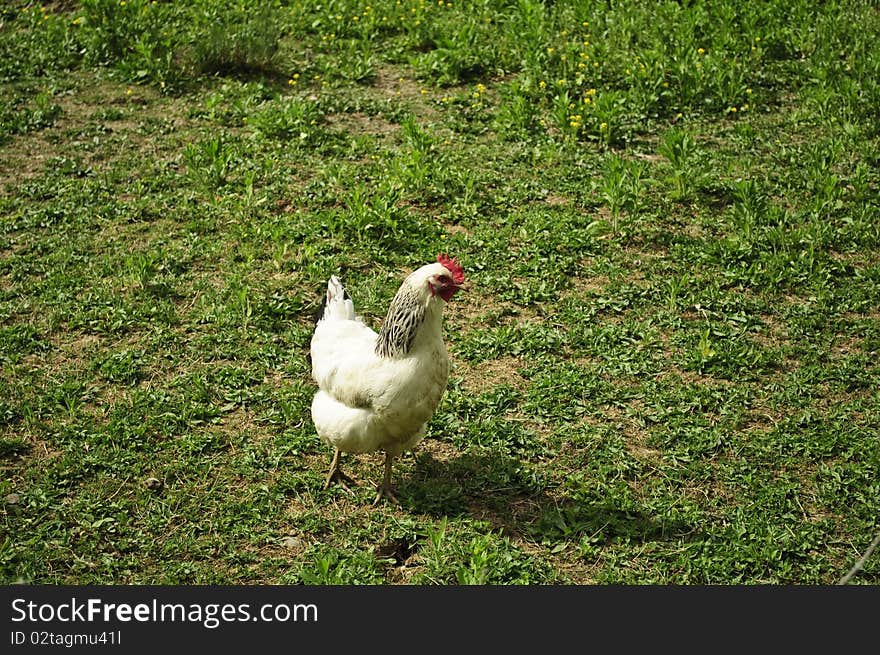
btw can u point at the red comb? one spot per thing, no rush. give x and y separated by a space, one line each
452 266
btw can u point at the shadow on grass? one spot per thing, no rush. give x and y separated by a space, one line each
511 496
13 447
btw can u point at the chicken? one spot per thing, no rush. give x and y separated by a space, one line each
378 391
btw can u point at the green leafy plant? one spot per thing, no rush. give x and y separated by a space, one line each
210 162
680 150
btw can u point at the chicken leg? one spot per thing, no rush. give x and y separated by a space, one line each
385 488
336 473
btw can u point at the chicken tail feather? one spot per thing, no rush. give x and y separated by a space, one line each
337 303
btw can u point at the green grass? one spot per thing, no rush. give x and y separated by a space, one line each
666 369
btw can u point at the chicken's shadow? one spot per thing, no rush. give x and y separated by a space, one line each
500 490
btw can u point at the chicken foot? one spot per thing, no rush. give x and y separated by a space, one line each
385 489
336 474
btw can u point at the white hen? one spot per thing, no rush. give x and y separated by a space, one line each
378 391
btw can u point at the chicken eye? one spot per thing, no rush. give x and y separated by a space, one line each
444 279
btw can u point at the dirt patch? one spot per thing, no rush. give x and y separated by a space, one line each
555 200
455 228
492 373
583 286
472 308
26 156
361 123
392 83
83 343
650 157
859 260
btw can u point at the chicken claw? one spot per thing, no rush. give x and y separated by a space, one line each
385 489
336 474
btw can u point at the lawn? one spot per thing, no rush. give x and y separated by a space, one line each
665 370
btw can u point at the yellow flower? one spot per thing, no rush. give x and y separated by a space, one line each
542 84
603 126
700 51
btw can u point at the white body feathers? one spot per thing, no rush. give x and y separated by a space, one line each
369 401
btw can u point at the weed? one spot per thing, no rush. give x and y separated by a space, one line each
237 43
680 150
210 162
621 187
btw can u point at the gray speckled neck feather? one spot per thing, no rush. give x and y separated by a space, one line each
405 316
